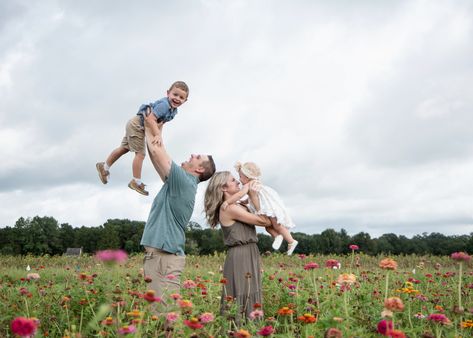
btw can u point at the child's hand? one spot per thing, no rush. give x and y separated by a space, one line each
224 205
255 186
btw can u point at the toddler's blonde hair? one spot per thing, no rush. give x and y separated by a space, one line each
249 169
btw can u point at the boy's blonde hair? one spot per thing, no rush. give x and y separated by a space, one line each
249 169
181 85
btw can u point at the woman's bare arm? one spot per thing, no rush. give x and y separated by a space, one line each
236 212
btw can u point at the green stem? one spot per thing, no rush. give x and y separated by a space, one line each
460 287
345 303
387 284
27 309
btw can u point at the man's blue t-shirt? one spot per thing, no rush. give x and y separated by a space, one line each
171 211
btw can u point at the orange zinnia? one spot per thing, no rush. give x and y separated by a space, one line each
388 264
307 318
285 311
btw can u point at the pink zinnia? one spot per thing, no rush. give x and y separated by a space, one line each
24 327
311 266
460 256
206 317
385 326
33 275
266 331
256 314
189 284
112 256
439 318
353 247
172 317
127 329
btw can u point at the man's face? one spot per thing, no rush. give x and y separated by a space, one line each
176 97
194 162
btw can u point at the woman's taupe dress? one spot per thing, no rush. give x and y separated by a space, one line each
242 268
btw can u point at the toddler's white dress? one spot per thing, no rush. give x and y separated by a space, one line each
271 205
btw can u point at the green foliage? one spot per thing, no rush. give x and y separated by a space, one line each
44 235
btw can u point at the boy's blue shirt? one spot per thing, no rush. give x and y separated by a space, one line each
161 108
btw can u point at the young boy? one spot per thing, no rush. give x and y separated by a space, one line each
165 109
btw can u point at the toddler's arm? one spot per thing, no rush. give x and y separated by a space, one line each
253 193
236 197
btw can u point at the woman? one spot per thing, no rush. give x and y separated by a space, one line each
242 265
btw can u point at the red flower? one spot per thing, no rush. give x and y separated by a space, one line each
332 263
354 247
149 296
384 327
311 266
193 323
24 327
266 331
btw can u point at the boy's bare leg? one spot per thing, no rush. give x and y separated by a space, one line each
137 165
115 155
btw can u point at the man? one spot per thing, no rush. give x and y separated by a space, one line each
163 235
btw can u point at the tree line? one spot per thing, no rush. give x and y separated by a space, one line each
44 235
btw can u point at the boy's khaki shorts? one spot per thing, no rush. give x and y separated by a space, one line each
134 139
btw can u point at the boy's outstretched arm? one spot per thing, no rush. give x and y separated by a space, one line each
157 153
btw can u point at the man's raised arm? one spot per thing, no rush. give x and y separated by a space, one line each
157 153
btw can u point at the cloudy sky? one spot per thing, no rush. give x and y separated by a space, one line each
360 113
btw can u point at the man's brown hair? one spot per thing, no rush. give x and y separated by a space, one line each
209 169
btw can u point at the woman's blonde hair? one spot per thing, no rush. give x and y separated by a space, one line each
214 197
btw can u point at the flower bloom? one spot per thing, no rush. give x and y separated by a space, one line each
24 327
354 247
396 334
311 266
266 331
285 311
460 256
149 296
346 278
307 318
206 317
112 256
467 324
256 314
419 315
171 276
332 263
242 334
172 317
33 275
193 323
107 321
439 318
333 333
175 296
135 313
189 284
385 326
394 304
127 329
388 264
185 304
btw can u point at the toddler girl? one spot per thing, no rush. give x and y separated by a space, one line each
267 203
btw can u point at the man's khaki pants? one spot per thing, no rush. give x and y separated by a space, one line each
165 271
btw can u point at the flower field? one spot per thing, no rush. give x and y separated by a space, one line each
304 296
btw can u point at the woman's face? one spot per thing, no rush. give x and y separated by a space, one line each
232 185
